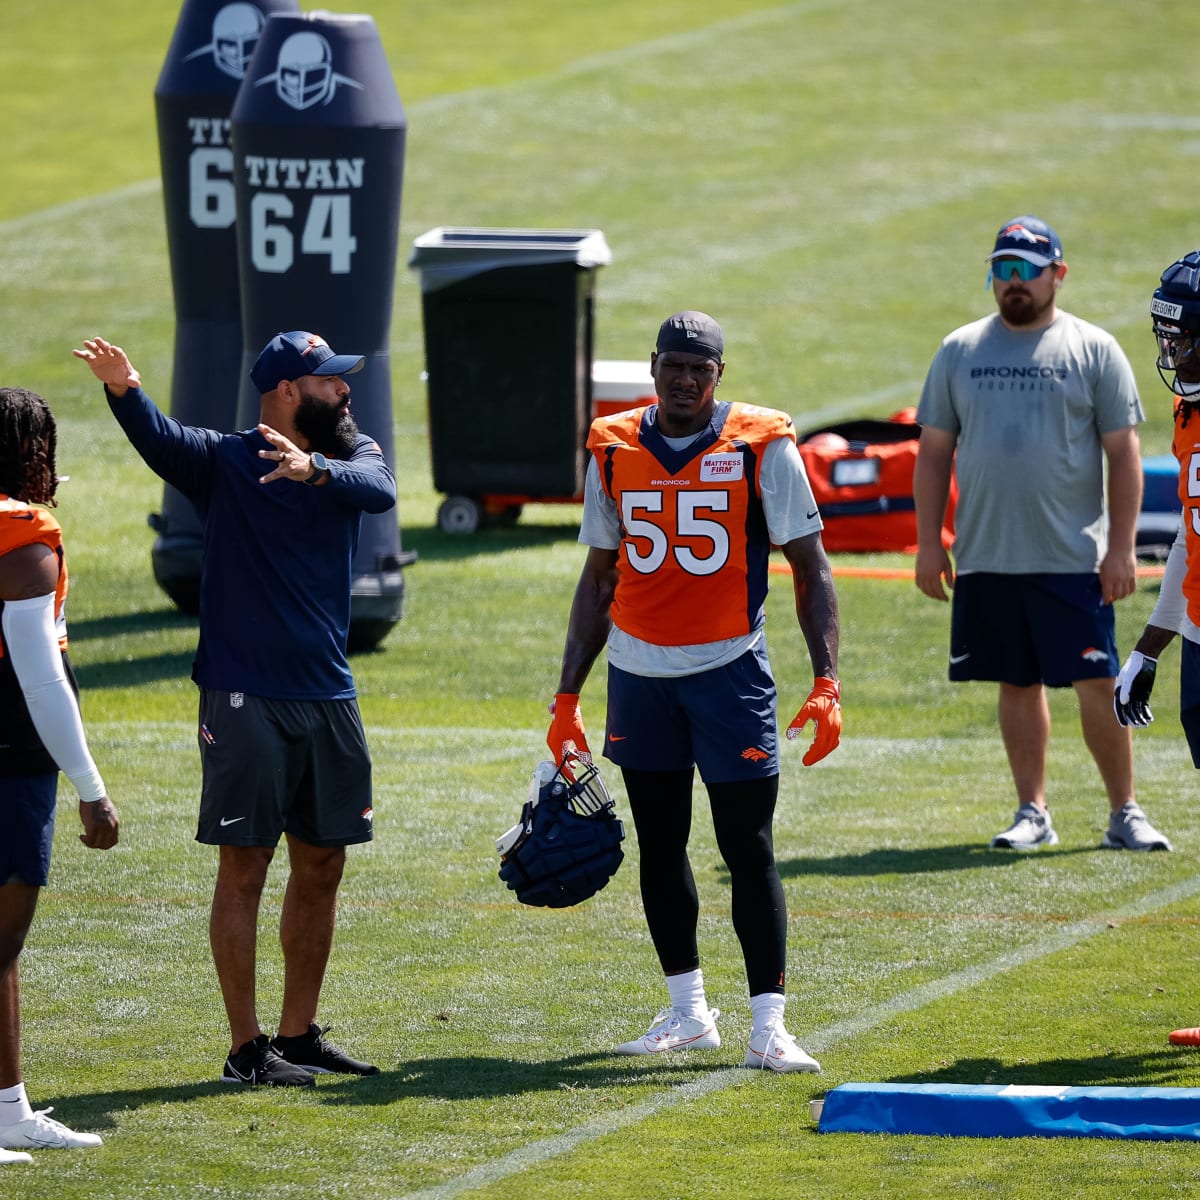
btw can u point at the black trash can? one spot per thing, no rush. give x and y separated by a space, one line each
509 317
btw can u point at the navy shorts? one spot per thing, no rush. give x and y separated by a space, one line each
1189 697
27 806
1029 629
721 721
282 766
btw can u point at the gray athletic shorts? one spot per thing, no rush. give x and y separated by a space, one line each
282 766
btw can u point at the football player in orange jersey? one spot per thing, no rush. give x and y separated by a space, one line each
683 502
1175 312
41 733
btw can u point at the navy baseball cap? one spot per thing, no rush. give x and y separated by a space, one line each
691 333
291 355
1029 238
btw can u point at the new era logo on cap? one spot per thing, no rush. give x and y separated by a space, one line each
692 333
290 356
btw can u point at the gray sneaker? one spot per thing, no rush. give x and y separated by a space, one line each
1030 829
1130 829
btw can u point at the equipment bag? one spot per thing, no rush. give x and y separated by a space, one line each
861 474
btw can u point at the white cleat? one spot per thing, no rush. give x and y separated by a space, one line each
14 1156
672 1030
775 1049
42 1132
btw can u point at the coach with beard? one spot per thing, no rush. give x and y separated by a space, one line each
281 740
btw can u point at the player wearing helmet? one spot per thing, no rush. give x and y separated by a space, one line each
683 501
1029 405
1175 315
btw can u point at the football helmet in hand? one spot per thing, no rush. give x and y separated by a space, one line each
567 844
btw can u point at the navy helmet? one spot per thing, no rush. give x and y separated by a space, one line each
1175 311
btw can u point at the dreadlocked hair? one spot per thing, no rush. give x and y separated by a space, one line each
28 441
1185 409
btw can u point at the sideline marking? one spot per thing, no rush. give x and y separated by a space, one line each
84 204
542 1151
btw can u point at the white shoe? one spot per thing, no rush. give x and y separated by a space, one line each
776 1049
13 1156
42 1132
1030 829
1130 829
672 1030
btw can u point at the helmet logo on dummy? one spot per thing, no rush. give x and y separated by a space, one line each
304 74
235 32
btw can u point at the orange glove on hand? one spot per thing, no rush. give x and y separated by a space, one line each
566 730
824 708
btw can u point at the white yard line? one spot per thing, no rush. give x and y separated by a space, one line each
542 1151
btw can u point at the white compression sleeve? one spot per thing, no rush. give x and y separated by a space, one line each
32 643
1171 607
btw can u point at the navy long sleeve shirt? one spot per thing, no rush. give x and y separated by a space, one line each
276 567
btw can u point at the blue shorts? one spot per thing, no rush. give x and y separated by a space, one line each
1029 629
1189 697
722 721
27 805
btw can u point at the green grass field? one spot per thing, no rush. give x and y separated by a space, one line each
825 177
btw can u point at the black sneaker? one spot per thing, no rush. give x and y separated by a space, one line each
313 1051
259 1062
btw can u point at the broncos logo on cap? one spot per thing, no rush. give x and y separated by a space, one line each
1018 233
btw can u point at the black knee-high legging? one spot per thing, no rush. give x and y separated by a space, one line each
661 805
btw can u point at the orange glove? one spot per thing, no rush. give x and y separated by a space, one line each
824 708
566 730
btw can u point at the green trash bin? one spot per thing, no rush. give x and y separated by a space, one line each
508 317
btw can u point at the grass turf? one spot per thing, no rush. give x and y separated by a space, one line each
825 178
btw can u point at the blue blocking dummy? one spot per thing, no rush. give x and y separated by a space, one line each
204 68
318 138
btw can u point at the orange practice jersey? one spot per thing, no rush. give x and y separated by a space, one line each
692 565
21 750
22 524
1185 445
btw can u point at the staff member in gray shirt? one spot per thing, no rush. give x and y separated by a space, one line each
1035 401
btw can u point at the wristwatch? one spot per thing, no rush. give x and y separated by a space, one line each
320 466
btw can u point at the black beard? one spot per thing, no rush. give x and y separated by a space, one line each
1020 310
331 431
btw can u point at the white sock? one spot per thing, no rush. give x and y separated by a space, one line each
687 993
766 1009
14 1105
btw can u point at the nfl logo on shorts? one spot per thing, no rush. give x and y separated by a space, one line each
236 699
